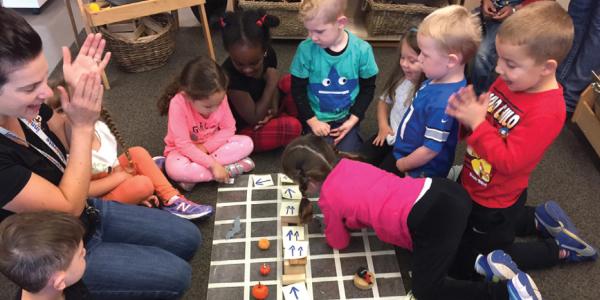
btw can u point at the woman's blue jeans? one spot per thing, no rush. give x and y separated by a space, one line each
139 253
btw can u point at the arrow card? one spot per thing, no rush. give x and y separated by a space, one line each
296 291
289 208
291 192
295 250
292 233
284 179
262 180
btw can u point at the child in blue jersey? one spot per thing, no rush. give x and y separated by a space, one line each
333 75
427 136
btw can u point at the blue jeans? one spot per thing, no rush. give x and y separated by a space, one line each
139 253
575 72
482 72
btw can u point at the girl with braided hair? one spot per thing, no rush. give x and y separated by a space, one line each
132 177
261 102
424 215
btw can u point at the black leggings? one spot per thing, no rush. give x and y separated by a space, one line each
496 228
437 223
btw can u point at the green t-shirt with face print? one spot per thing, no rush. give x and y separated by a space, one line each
333 79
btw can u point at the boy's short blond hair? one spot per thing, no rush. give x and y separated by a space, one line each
455 30
329 10
543 28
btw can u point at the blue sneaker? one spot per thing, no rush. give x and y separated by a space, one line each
578 249
187 209
496 266
160 162
483 268
523 287
551 219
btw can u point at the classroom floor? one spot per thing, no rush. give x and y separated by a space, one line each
569 172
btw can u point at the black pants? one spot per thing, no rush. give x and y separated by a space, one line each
373 154
436 223
496 228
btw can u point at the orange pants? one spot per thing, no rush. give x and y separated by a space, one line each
148 180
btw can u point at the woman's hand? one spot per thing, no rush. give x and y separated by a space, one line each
83 107
89 59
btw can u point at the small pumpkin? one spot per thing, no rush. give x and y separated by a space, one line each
260 292
265 269
263 244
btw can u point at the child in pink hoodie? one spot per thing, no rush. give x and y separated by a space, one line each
424 215
200 144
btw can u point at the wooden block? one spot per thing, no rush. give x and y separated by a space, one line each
300 261
155 26
290 220
293 278
125 26
132 36
290 269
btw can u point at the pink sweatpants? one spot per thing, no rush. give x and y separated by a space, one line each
182 169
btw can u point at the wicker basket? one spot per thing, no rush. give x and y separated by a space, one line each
287 12
143 54
393 19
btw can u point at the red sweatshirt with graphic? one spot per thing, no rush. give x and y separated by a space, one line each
504 150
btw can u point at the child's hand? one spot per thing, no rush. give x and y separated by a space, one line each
89 59
340 132
488 9
220 173
503 13
264 121
202 148
83 108
467 108
382 134
318 128
151 202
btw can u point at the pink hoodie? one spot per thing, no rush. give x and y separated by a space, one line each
187 128
356 195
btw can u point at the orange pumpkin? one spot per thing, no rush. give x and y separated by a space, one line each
263 244
265 269
260 292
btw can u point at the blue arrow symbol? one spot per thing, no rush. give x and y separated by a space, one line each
295 290
287 210
300 250
260 181
289 235
297 234
289 192
292 248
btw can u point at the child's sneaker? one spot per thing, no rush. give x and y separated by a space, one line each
496 266
522 287
551 219
578 249
160 162
187 209
238 168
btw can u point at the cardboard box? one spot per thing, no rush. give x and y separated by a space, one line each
586 119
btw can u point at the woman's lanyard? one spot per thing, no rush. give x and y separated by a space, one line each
35 126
